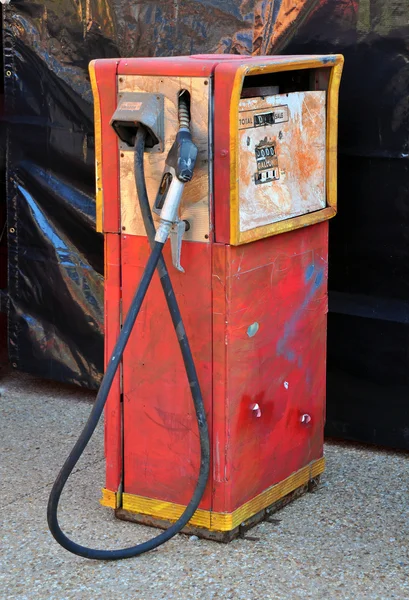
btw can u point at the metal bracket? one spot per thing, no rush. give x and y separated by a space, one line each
176 237
140 107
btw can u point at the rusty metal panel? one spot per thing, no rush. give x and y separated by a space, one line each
282 145
195 201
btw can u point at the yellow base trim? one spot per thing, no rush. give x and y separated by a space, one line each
264 231
108 498
168 511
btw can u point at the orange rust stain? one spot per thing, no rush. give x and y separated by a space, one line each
287 15
288 179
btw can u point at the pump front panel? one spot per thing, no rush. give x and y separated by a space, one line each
282 149
161 445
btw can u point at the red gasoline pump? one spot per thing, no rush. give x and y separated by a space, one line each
234 159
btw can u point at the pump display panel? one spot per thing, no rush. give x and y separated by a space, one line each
282 151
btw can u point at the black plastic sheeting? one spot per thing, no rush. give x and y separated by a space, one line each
56 258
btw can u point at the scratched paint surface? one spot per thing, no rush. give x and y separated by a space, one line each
276 375
281 164
112 299
256 319
161 445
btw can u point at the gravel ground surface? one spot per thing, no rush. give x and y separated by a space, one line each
348 540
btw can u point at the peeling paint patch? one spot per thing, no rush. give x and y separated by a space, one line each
286 384
256 409
252 329
297 171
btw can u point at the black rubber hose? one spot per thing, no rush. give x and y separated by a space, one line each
155 260
174 312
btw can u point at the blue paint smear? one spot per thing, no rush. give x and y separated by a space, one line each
319 278
309 272
290 356
289 326
252 329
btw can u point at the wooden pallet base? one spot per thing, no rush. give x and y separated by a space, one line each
221 536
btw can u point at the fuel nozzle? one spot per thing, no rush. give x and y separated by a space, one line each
180 164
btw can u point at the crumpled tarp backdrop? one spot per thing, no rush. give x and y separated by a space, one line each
55 256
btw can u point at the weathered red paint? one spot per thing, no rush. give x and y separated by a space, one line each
105 75
275 296
198 65
280 284
225 74
112 307
161 448
256 319
178 66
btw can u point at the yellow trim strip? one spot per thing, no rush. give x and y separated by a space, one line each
227 522
165 511
99 199
287 225
108 498
168 511
236 236
332 131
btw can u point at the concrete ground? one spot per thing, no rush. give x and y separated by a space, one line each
348 540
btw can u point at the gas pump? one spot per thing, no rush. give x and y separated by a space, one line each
233 159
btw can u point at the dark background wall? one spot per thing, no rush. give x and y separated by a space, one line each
56 259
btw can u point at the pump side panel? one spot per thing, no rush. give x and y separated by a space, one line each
113 407
161 445
276 291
